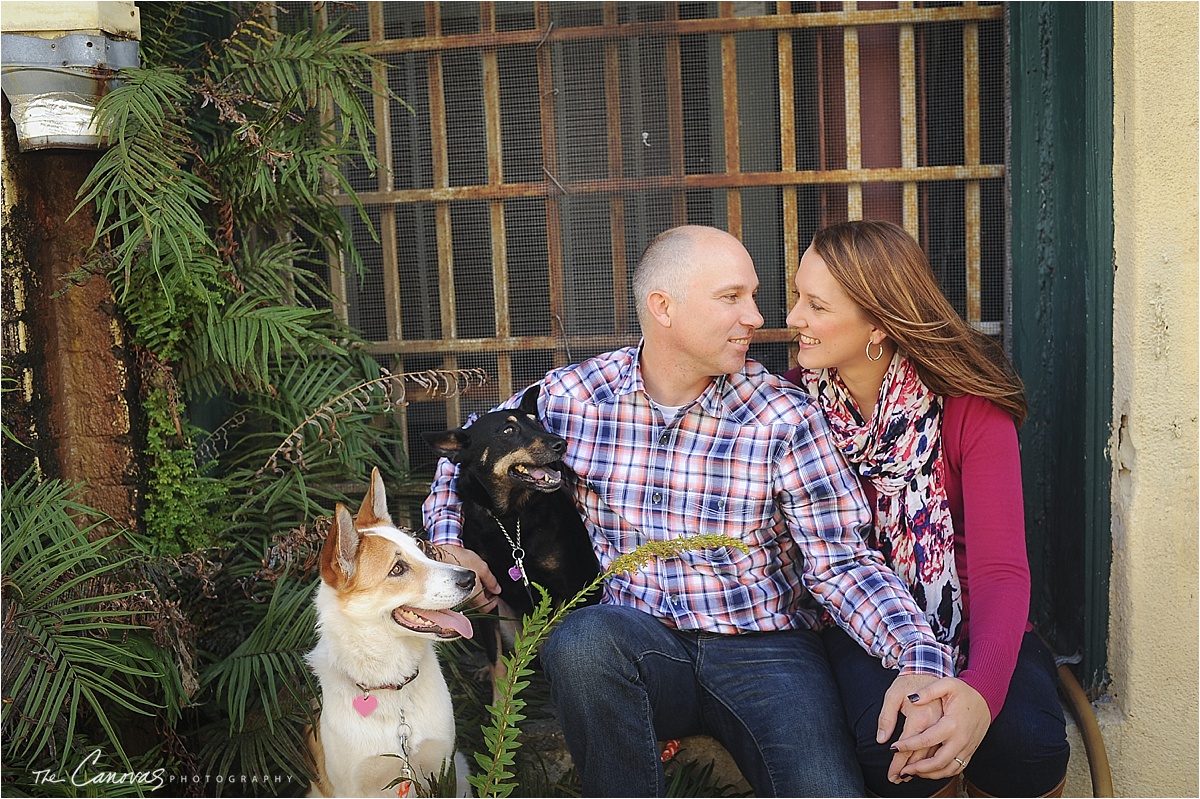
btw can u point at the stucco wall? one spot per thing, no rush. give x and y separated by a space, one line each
1153 622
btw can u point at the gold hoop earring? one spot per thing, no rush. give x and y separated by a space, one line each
877 357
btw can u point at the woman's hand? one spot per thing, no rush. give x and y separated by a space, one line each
489 594
917 718
941 750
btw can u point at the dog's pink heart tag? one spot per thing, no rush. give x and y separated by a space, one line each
365 705
516 573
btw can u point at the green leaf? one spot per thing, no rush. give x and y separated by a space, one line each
80 655
269 664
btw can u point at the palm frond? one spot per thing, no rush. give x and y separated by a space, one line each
273 750
269 665
140 186
281 270
68 661
242 341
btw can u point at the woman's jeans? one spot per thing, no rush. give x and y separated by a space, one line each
1025 750
621 681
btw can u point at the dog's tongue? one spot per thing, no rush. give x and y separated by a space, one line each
544 474
450 620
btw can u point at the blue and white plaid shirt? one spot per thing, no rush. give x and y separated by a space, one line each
751 458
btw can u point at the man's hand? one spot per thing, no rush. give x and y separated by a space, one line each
917 718
484 599
952 741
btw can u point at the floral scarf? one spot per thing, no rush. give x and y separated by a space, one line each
900 451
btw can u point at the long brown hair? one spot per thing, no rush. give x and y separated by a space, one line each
886 272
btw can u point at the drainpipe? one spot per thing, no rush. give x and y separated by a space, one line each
78 376
57 60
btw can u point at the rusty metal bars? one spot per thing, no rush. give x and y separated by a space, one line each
495 177
908 126
544 35
387 213
675 116
972 211
548 188
672 26
787 141
616 170
733 148
554 234
854 207
441 211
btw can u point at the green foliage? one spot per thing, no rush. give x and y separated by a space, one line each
183 511
216 209
266 691
181 646
217 214
497 763
262 668
78 659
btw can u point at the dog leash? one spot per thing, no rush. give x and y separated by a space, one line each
406 772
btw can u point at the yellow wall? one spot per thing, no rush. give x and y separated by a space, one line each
1152 736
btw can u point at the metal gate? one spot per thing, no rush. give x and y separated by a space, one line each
540 146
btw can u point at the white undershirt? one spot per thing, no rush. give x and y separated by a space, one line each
668 411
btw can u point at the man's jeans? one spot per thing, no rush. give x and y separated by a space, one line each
621 681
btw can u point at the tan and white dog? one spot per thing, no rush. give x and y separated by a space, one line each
381 605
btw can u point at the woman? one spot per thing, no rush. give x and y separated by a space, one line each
925 410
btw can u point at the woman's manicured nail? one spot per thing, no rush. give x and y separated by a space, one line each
914 697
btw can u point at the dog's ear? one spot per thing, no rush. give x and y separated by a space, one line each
529 400
448 444
374 508
340 549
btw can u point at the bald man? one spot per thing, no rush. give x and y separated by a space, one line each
680 436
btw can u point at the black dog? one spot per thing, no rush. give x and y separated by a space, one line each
517 511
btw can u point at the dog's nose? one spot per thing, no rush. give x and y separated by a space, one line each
558 446
465 579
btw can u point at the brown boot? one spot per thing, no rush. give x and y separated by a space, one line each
1057 790
950 788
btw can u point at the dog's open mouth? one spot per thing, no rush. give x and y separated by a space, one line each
441 623
539 478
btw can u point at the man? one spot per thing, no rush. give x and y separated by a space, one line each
681 436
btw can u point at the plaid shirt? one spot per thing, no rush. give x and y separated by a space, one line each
751 458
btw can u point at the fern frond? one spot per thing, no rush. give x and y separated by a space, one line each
501 734
325 418
272 748
70 655
269 664
140 186
281 270
242 340
300 67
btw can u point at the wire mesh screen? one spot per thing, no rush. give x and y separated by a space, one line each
536 148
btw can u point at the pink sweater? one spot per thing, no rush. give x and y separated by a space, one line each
983 485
